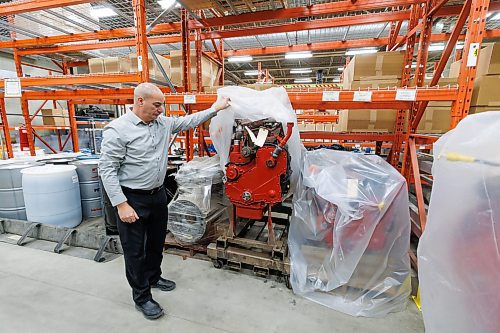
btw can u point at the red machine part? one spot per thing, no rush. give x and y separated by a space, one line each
254 183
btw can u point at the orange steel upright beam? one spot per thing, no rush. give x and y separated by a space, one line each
416 117
222 69
198 48
141 39
472 47
186 71
5 128
24 102
72 117
423 53
405 81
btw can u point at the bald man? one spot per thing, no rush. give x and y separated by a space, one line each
133 165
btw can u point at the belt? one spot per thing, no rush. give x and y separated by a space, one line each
150 192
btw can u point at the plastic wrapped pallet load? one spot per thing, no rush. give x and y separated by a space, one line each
458 253
350 234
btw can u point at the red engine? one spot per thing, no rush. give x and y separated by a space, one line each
258 171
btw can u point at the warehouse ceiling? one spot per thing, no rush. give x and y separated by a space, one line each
79 18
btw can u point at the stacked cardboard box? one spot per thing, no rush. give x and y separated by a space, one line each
374 71
385 68
485 96
54 117
154 69
208 70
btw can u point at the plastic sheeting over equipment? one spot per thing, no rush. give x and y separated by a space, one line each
459 251
252 105
350 234
199 202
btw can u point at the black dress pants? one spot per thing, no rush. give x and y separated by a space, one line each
143 241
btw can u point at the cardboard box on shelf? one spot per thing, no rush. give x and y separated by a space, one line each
488 62
154 70
374 83
116 65
366 121
436 120
208 69
55 117
455 69
377 64
96 65
486 91
479 109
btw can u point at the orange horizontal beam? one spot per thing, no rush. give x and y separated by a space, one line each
317 118
381 99
313 135
99 45
229 20
83 94
312 25
340 45
23 6
305 11
76 79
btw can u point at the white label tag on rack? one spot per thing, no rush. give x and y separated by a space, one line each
12 88
139 63
473 55
362 96
406 95
189 99
331 96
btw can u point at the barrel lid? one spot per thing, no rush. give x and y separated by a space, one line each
19 165
48 169
86 162
88 157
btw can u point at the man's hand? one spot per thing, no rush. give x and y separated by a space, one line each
221 103
126 213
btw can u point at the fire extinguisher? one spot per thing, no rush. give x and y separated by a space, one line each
23 139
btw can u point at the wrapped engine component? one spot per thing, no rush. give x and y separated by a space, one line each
459 251
252 105
350 234
199 202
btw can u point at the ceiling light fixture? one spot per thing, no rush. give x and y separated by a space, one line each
298 55
101 12
360 51
240 59
300 71
303 80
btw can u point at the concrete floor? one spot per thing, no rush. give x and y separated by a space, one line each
46 292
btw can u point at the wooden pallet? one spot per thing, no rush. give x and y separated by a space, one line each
172 246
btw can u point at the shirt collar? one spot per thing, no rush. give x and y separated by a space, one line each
135 119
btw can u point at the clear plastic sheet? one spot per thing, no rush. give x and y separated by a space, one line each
350 234
199 203
255 105
459 251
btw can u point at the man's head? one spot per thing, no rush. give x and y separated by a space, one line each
148 102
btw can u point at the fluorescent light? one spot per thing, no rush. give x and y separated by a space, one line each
298 55
252 73
240 59
336 80
436 47
340 69
100 12
360 51
303 81
300 71
166 4
460 46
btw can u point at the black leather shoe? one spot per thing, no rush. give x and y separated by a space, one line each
151 309
164 284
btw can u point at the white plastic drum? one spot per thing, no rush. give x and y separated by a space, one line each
52 195
11 191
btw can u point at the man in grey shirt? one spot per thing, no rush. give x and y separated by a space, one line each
133 166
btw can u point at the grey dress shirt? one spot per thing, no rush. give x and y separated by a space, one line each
134 154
